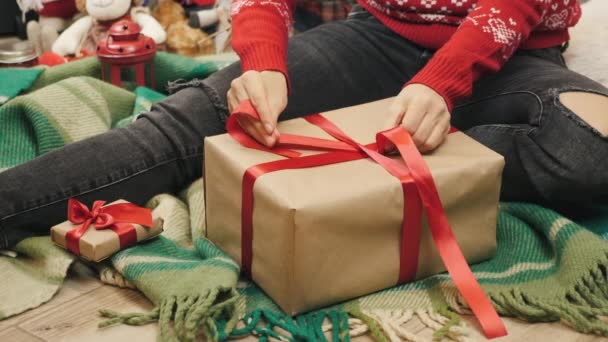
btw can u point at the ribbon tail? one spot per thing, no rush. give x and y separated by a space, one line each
129 213
72 238
443 236
127 234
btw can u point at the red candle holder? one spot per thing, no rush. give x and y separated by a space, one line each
126 48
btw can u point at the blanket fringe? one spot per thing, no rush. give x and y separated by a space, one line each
217 321
584 307
383 325
266 324
191 316
443 323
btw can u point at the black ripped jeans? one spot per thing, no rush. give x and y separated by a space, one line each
552 156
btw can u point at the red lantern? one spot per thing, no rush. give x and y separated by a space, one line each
125 48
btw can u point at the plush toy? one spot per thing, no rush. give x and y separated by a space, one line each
220 15
181 38
54 16
83 35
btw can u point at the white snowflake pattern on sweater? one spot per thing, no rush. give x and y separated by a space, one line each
433 17
238 5
556 20
459 3
280 6
557 15
502 32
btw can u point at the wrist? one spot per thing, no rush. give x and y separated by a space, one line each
276 74
450 81
446 100
265 58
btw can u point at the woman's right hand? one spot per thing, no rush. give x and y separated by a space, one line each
267 91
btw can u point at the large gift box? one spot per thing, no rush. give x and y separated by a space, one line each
321 235
97 233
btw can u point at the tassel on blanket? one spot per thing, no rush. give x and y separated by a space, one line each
584 307
266 324
190 316
343 323
444 323
372 324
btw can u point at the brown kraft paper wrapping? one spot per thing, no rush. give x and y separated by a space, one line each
327 234
97 245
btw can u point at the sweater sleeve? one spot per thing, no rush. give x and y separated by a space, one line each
259 33
485 40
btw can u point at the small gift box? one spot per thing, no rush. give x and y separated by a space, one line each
328 215
98 233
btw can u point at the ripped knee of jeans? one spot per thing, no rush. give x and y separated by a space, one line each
217 101
588 107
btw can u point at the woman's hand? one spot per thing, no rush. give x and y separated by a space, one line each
267 91
424 113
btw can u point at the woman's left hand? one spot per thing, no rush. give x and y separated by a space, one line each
424 113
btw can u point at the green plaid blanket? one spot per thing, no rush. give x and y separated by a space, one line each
547 267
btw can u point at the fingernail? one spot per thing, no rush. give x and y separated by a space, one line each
268 127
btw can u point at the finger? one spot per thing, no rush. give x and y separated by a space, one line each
426 127
259 127
257 94
277 105
246 126
276 134
277 108
437 137
251 130
232 100
395 116
396 111
414 114
256 130
238 89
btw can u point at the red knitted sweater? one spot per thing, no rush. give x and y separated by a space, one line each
472 37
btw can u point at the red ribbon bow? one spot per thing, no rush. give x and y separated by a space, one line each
118 217
418 190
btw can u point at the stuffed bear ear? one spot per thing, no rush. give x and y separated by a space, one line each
81 5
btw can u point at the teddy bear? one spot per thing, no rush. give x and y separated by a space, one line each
54 16
181 38
84 34
218 15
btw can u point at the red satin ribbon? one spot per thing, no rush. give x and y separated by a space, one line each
418 189
118 217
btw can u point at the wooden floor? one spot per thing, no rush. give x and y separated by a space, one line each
72 316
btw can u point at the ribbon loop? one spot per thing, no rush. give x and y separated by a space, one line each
97 205
77 211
